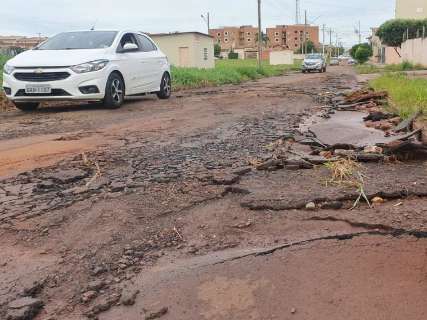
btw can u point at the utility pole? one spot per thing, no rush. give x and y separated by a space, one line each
360 33
323 41
330 42
259 36
297 11
336 45
305 32
207 19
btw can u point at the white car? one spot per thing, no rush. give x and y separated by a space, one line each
88 66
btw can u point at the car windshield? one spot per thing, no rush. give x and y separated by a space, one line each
314 56
79 40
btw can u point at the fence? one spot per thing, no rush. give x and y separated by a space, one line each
415 34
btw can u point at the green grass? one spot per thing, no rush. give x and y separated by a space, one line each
227 72
3 60
406 95
404 66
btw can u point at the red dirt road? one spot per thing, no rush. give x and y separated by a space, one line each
162 219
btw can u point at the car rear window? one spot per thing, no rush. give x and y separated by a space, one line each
79 40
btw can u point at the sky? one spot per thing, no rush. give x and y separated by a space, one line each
48 17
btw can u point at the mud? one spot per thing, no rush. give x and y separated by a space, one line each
164 201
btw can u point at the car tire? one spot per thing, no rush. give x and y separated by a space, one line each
114 92
165 87
27 106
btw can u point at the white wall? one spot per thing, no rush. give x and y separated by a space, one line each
281 57
415 51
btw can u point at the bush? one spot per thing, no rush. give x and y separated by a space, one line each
362 54
233 55
217 50
353 50
3 60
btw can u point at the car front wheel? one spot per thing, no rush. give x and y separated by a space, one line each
27 106
165 87
114 92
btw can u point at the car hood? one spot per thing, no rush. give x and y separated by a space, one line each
312 61
57 58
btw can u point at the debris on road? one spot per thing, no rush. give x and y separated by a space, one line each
156 314
128 297
377 200
25 308
365 95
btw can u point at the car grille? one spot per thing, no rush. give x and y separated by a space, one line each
54 93
41 77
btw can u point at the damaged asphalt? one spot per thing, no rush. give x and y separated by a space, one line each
214 205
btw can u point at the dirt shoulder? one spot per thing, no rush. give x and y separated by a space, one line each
162 217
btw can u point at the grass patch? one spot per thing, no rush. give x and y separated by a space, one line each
3 60
404 66
227 72
406 95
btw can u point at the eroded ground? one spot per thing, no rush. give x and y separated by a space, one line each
152 211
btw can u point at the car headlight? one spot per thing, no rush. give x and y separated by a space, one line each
8 69
90 66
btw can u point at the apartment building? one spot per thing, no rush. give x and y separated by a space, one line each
242 37
19 42
411 9
291 37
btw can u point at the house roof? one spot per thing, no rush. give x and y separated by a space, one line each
179 33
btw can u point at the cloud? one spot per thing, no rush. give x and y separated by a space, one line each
30 17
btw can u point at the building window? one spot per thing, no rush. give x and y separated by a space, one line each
277 40
205 54
296 31
249 39
226 33
296 45
276 34
225 40
219 34
248 33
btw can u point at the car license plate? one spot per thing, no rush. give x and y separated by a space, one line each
41 89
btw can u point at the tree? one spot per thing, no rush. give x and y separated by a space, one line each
311 48
366 46
393 32
217 50
362 54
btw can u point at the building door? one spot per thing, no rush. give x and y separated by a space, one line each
184 56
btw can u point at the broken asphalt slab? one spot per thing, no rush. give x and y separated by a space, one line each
295 189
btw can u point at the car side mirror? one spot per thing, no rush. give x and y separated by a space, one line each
129 47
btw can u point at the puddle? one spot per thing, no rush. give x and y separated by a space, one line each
345 127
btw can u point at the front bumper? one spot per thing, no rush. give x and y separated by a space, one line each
313 67
67 89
